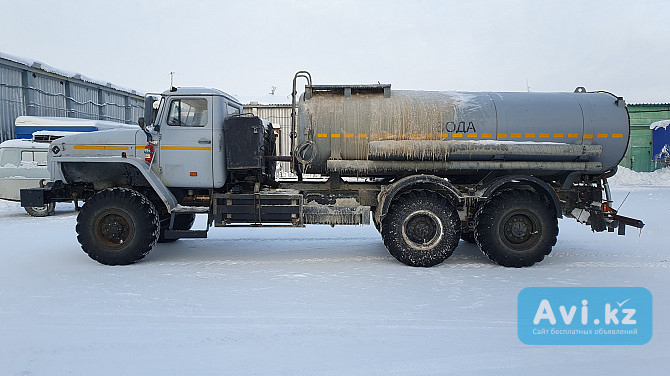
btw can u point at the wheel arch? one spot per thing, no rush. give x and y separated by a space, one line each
110 172
104 175
433 183
524 181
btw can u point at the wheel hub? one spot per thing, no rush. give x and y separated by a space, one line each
114 229
422 229
518 229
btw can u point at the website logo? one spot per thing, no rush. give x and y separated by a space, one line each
584 316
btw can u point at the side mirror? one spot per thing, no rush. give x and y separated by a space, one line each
143 125
148 112
148 108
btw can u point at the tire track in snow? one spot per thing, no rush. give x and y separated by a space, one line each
485 264
314 260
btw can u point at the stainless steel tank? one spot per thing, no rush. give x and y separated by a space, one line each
370 129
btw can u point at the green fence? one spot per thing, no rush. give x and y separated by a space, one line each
639 154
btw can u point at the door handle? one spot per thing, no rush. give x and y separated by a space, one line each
204 141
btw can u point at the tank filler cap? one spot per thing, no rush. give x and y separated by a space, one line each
580 89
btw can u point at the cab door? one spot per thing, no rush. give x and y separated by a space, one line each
185 157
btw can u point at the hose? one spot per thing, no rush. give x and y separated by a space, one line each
302 150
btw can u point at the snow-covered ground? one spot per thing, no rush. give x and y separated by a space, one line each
312 301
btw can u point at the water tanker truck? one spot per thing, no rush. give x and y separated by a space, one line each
426 168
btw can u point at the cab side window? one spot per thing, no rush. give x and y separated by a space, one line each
188 113
232 110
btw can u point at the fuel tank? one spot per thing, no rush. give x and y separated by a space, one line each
370 129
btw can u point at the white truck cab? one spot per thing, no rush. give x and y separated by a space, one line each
189 146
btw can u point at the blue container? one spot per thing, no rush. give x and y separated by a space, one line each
25 126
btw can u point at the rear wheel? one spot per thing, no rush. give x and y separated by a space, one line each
516 228
117 226
421 229
42 211
468 237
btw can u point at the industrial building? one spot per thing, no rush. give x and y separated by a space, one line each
29 87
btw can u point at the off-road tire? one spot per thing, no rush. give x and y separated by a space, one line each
516 228
117 226
468 237
41 211
421 228
181 222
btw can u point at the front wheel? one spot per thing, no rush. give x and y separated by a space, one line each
516 228
117 226
421 229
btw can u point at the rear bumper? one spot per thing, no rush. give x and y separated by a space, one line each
53 192
35 197
637 223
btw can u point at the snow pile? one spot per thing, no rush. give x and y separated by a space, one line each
665 153
23 143
54 133
26 120
628 177
29 165
659 124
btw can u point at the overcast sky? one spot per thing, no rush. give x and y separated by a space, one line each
245 47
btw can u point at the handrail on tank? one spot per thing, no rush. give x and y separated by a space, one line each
294 133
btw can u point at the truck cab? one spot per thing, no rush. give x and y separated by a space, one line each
189 139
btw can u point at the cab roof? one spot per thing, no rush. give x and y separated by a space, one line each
199 91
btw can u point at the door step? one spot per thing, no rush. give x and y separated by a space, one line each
178 234
180 209
193 234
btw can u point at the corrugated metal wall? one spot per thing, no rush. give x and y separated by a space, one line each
31 90
48 96
115 106
277 114
84 102
11 100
